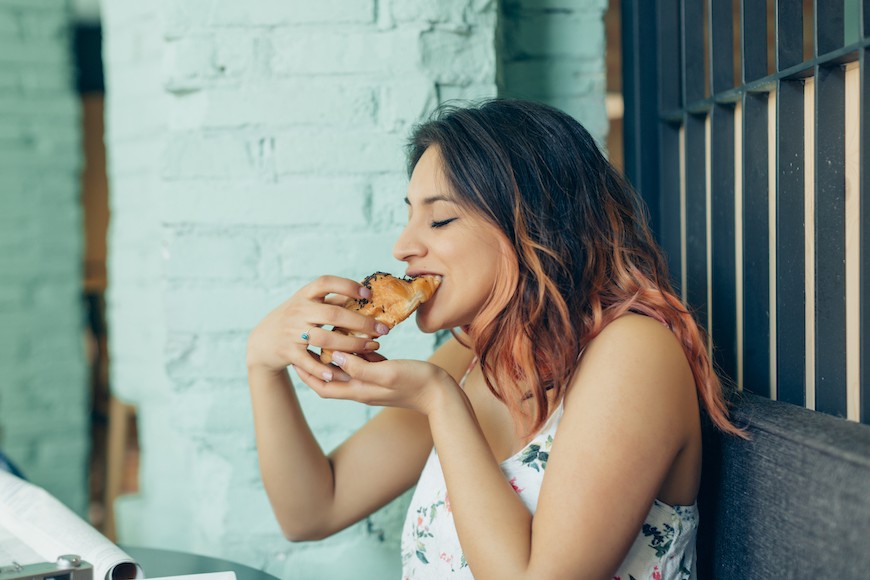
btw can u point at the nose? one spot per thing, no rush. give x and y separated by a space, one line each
408 245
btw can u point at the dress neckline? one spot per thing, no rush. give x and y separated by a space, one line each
549 425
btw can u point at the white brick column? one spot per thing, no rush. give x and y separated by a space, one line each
252 147
44 396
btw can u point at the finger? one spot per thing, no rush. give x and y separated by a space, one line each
311 364
372 356
325 285
361 370
338 340
337 373
335 300
308 378
339 317
319 386
335 389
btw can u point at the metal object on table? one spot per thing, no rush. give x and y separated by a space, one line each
66 567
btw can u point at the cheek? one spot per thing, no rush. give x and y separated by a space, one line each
424 318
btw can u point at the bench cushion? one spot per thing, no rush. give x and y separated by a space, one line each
792 502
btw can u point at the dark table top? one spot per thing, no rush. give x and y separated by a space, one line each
157 562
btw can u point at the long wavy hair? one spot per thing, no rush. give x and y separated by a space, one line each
582 252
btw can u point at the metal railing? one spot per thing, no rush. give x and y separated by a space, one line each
754 175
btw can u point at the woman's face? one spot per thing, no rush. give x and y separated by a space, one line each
443 239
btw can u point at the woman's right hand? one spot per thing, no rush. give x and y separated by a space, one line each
277 342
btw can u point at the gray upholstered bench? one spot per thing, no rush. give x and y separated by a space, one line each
793 502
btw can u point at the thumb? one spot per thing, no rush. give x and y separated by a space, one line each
372 357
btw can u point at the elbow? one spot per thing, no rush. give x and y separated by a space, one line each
299 532
300 535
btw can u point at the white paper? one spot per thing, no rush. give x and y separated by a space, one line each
36 527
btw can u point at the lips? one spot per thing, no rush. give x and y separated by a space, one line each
428 304
415 273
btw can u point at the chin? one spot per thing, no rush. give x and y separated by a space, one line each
429 323
426 325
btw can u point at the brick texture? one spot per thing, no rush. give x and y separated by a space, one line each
44 395
253 146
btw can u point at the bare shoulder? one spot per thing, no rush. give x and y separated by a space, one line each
633 332
634 340
640 361
629 414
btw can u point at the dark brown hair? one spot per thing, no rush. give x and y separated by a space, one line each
582 253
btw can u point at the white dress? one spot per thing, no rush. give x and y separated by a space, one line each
663 550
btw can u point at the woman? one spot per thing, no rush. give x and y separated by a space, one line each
565 411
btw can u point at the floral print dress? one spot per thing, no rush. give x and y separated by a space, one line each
663 550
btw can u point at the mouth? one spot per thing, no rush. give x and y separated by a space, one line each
418 273
439 284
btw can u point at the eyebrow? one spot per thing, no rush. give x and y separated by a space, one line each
431 199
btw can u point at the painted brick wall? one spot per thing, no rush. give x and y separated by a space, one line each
553 51
253 146
44 396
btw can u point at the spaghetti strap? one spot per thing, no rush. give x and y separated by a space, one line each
467 372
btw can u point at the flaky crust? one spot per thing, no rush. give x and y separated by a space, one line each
392 300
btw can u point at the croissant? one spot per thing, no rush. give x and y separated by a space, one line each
392 301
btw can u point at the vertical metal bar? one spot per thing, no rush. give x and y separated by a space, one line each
669 178
753 21
721 21
865 18
864 234
669 39
830 239
724 298
670 93
790 268
756 241
641 120
696 215
829 25
692 34
631 91
789 33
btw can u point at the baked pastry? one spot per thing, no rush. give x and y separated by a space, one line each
392 301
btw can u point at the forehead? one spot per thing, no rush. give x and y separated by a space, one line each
428 180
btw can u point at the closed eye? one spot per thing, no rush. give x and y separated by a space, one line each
443 223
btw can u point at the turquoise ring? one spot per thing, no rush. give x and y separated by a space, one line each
306 335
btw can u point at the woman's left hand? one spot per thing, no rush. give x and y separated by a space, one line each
374 380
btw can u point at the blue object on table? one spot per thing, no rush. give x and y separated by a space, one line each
7 465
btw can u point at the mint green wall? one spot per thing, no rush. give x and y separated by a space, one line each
244 139
253 146
553 51
44 396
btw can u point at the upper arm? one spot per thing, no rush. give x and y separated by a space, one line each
385 456
628 413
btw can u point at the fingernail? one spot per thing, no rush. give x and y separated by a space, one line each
365 292
372 346
338 358
382 328
327 376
